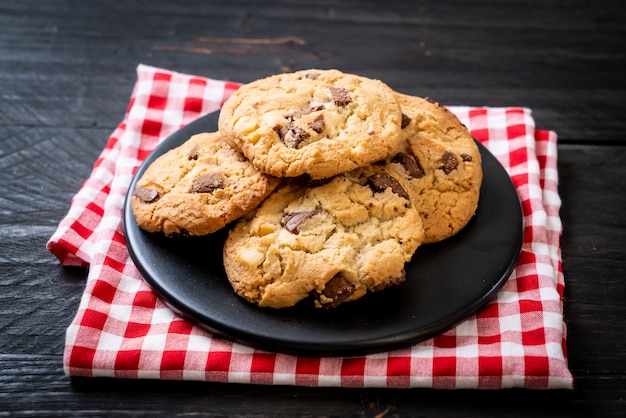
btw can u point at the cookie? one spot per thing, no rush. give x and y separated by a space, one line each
315 122
198 188
442 163
331 243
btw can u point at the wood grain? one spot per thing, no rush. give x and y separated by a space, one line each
67 70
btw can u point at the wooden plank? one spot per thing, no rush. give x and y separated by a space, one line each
67 70
39 298
37 386
65 65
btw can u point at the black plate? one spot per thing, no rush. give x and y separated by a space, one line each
446 282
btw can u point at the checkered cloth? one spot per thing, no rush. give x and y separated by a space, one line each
122 329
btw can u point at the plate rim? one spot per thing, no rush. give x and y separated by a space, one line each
265 342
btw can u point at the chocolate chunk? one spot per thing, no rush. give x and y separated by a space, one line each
207 183
318 124
298 135
282 132
466 157
292 136
391 281
338 289
449 162
146 194
410 164
340 96
292 220
405 121
312 76
302 112
297 114
193 153
379 182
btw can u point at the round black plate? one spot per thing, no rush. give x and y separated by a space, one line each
446 282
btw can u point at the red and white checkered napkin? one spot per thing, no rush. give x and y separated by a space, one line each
123 330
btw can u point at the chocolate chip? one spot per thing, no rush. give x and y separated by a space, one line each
193 153
338 289
379 182
291 135
292 220
466 157
449 162
405 121
318 124
207 183
146 194
410 164
391 281
312 76
340 96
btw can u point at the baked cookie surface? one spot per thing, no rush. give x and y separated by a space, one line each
197 188
315 122
332 242
442 163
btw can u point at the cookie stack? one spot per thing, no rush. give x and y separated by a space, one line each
328 182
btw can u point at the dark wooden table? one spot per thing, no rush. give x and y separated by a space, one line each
66 73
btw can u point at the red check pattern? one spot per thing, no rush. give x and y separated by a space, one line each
123 330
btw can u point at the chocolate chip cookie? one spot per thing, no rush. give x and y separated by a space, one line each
198 188
442 164
328 241
315 122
